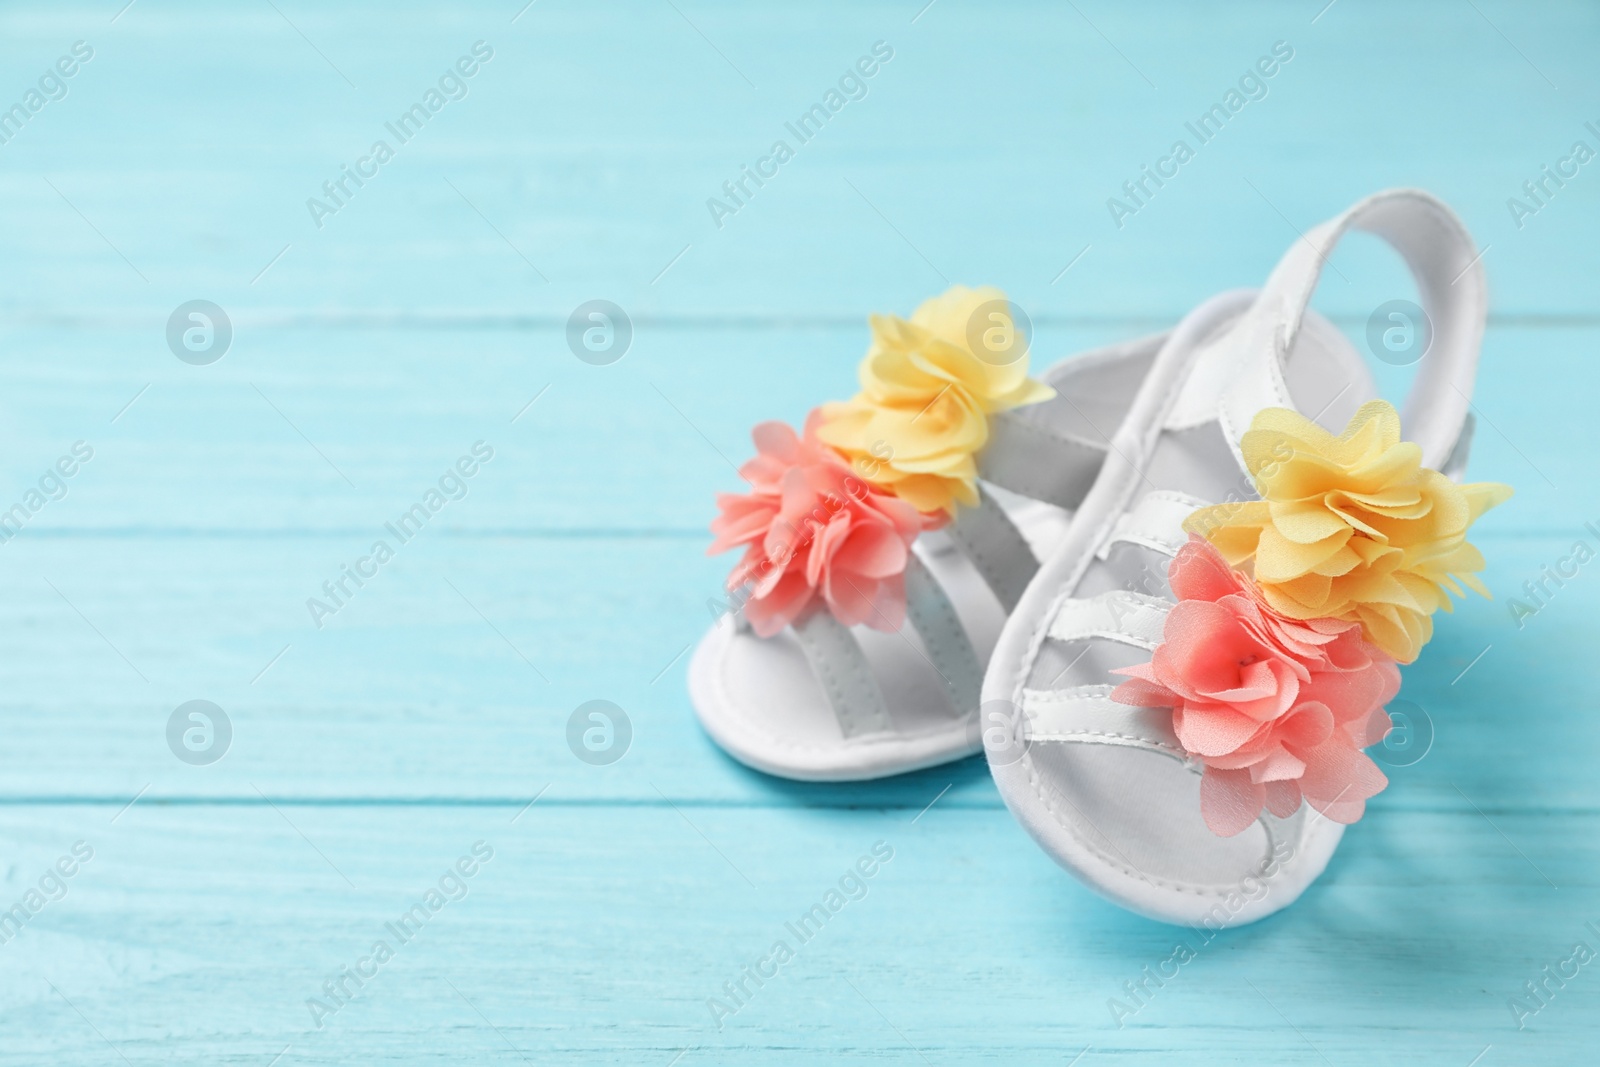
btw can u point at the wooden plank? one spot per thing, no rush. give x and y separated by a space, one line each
372 352
600 938
588 148
316 430
409 693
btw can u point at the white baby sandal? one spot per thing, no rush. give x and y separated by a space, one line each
885 542
1176 709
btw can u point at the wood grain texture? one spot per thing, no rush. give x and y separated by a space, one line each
424 316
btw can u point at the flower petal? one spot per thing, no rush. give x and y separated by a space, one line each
1229 801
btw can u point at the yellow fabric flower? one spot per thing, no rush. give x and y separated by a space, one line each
928 387
1351 527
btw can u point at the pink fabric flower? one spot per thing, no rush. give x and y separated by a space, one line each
814 533
1276 709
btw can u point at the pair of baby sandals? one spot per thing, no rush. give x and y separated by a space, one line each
1165 588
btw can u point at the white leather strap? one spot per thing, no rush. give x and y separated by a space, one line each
1119 615
1449 276
996 548
846 676
1030 457
929 609
1052 451
1455 466
840 665
1156 522
1088 715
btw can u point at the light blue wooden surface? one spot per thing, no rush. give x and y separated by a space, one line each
423 317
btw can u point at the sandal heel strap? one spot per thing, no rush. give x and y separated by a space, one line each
1448 270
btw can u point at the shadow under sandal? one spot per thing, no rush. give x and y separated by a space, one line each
1177 708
